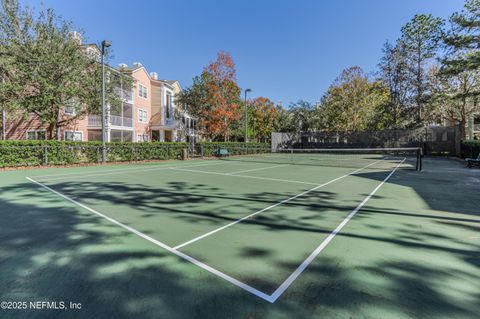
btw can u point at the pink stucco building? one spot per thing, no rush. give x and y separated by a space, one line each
148 113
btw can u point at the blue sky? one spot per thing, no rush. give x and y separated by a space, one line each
284 50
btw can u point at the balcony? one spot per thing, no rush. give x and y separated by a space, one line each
125 95
169 121
96 120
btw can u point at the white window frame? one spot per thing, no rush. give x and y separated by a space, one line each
140 85
139 138
36 135
143 113
74 132
145 137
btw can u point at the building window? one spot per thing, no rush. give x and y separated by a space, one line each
142 116
168 106
36 135
142 138
73 136
70 107
142 91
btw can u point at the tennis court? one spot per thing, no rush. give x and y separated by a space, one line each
245 225
216 213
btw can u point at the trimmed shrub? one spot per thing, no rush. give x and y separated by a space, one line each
210 148
470 148
41 153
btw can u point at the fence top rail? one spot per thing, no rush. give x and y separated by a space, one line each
371 149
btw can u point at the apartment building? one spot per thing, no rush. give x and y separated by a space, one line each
148 112
473 127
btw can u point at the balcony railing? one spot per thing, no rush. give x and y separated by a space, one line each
96 120
169 121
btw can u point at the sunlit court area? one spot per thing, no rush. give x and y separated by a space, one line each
208 159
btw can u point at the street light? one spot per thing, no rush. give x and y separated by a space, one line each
246 115
4 137
105 44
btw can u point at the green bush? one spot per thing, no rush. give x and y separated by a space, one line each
470 148
210 148
36 153
39 153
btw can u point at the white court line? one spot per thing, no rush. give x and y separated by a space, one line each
118 171
270 298
267 208
194 261
284 286
243 176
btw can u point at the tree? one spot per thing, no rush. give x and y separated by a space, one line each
282 120
394 74
46 69
462 40
214 98
302 117
354 103
262 118
456 96
421 39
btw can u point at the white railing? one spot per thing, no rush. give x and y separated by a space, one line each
169 121
96 120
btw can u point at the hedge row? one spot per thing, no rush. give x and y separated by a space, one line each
470 148
40 153
209 149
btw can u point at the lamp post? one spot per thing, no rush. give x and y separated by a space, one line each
246 115
105 44
3 119
3 125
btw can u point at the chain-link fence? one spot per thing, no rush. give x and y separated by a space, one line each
433 139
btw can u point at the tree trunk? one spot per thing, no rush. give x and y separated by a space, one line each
51 129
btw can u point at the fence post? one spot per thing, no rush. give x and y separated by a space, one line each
45 155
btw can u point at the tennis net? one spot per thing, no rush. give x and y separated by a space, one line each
383 158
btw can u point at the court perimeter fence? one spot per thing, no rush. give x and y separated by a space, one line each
48 153
434 140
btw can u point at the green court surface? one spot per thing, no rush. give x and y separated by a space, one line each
244 237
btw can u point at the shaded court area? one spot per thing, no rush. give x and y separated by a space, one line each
244 238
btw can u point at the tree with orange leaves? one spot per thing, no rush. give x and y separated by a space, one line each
214 98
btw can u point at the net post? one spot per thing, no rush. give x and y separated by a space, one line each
419 159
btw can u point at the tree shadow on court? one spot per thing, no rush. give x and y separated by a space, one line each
53 250
444 185
383 290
